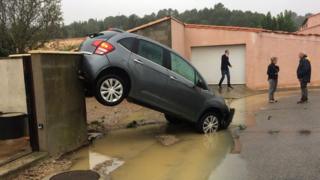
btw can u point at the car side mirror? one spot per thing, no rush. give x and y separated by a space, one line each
199 84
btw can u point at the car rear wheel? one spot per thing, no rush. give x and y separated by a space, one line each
111 90
172 119
208 123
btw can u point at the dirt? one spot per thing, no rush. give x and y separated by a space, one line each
45 169
9 149
105 118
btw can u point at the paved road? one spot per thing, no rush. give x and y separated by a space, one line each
282 141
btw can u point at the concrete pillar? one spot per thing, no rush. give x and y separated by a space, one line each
59 101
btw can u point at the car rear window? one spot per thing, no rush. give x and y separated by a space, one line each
127 43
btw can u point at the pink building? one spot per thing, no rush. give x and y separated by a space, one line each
250 50
311 25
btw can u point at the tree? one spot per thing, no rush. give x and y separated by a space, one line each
28 24
216 15
267 22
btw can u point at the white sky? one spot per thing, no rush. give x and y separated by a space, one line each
78 10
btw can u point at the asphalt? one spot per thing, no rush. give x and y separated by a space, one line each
281 140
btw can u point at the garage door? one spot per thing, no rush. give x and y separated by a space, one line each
208 61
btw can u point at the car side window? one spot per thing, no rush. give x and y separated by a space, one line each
151 51
179 66
128 43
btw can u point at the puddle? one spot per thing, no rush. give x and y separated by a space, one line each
139 155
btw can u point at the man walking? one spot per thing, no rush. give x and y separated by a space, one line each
272 72
304 76
225 64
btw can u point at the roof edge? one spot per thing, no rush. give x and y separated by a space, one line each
302 30
154 23
306 20
231 28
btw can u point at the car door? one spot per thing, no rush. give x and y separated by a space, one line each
149 74
185 98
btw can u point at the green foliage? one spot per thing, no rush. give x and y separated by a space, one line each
218 15
28 24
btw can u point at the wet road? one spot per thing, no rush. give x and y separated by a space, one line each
281 141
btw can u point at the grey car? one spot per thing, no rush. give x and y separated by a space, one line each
118 65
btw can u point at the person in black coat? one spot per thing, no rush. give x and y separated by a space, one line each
225 64
304 76
272 72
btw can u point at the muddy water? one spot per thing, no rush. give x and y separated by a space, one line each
138 154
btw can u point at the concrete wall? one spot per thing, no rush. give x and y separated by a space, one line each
159 32
12 88
60 101
178 37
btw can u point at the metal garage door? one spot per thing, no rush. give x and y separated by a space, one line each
208 61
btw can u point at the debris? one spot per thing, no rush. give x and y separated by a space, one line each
105 168
96 126
167 140
273 132
242 127
305 132
44 169
94 135
133 124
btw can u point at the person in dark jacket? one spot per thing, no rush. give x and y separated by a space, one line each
225 64
304 76
272 72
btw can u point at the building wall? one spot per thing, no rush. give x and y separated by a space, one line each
313 21
12 93
159 32
195 37
260 47
178 37
311 30
286 48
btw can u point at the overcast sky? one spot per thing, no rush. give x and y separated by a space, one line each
76 10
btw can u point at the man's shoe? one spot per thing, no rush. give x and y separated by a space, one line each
301 102
271 101
230 87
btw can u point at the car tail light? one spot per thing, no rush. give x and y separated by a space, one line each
102 47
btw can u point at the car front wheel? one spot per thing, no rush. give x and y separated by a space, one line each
209 123
111 90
